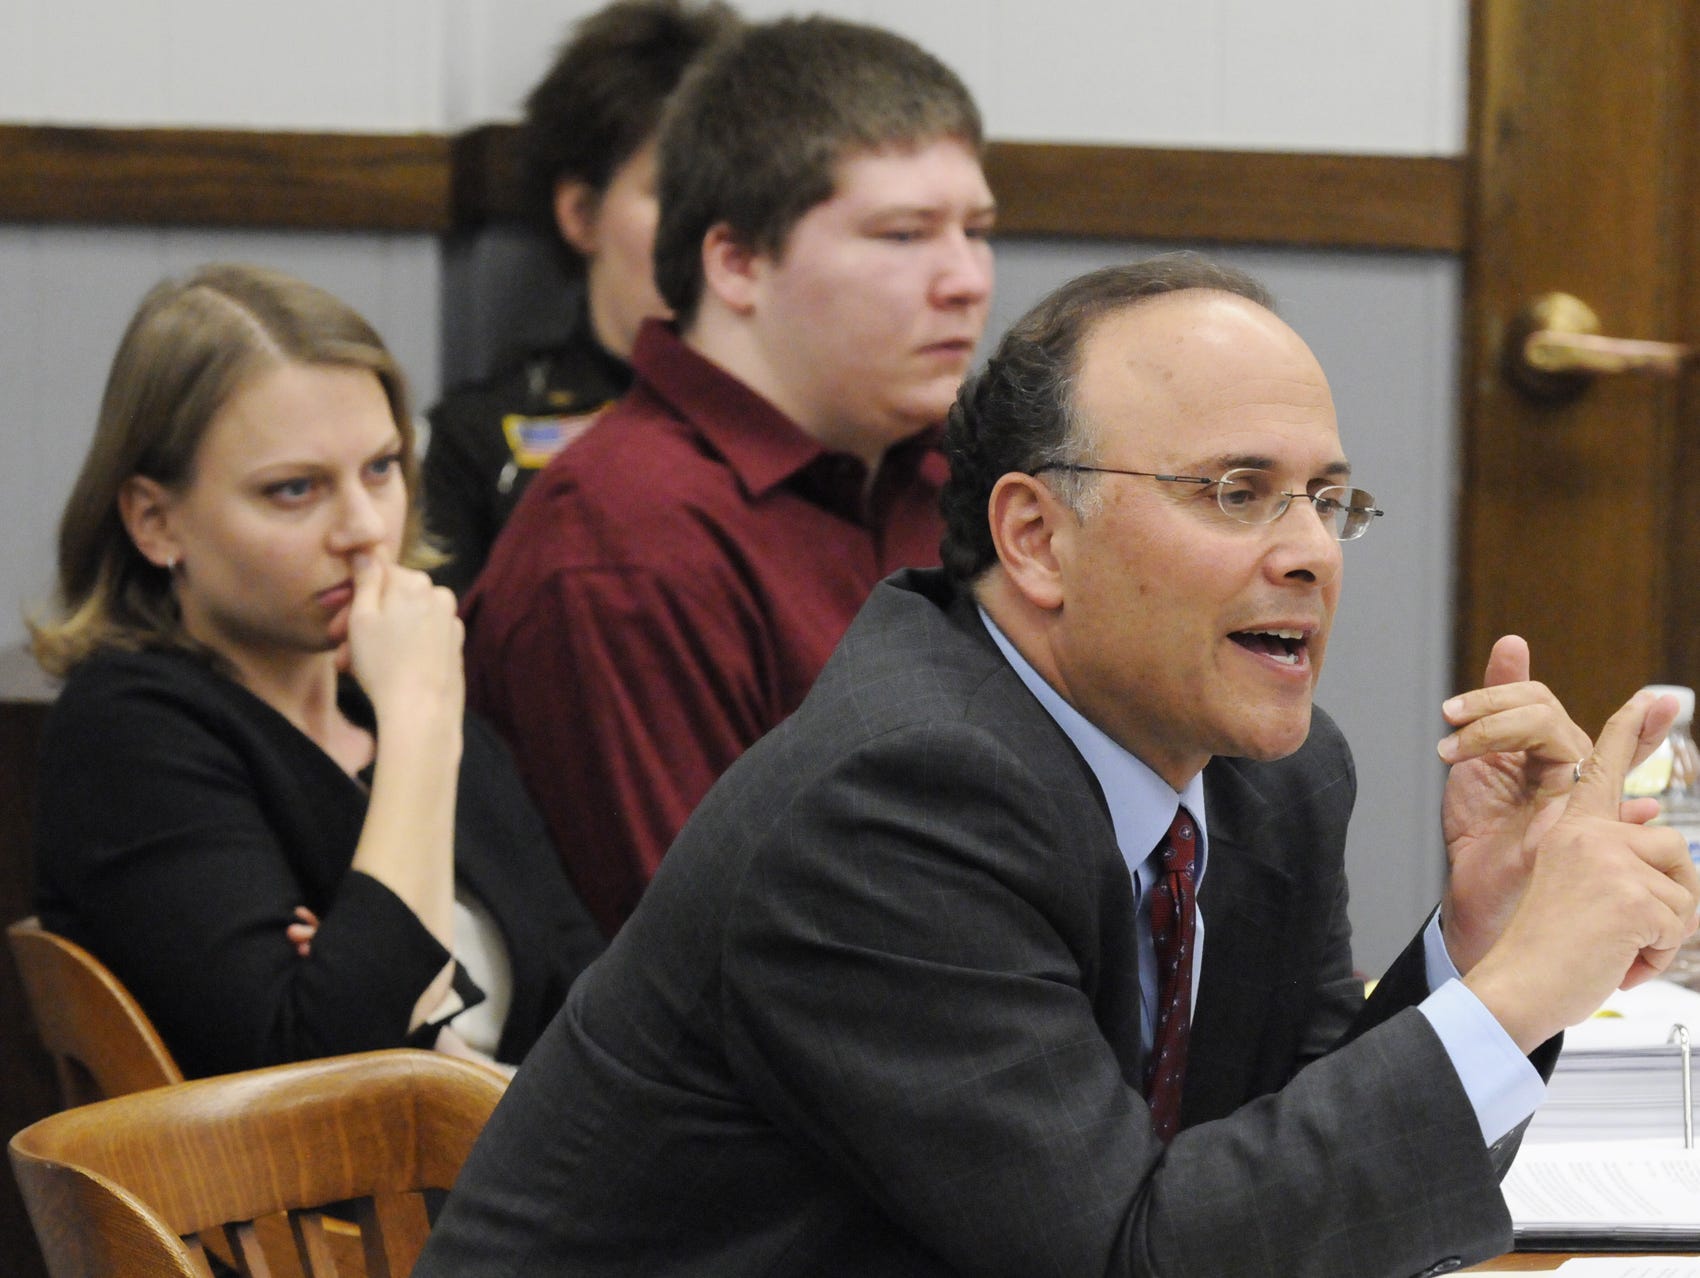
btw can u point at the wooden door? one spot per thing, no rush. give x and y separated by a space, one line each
1580 520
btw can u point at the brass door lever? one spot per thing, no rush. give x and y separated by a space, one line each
1554 350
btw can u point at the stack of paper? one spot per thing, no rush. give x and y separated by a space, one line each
1637 1195
1619 1076
1604 1161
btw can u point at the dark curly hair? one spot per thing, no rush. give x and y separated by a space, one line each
1018 413
602 98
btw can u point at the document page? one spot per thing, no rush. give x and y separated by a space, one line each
1641 1191
1625 1267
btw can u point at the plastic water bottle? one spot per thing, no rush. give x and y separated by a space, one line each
1671 774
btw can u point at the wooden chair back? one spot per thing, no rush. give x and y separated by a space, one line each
137 1185
101 1041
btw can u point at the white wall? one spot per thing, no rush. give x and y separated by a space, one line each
339 65
1328 75
1303 75
1294 75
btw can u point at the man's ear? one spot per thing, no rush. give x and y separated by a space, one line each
576 206
145 506
731 270
1029 527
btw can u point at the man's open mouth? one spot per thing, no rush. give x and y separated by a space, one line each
1285 646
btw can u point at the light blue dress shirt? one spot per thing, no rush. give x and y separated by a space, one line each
1502 1086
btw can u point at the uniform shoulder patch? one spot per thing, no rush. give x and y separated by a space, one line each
534 440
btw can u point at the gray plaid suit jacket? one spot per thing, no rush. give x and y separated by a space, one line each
878 1015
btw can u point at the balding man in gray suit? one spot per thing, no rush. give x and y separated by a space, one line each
917 988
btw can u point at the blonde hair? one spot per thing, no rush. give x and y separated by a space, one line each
191 346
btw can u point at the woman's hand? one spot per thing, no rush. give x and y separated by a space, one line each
303 930
404 642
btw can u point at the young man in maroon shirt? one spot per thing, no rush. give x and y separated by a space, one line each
672 583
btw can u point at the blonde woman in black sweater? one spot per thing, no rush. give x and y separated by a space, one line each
261 802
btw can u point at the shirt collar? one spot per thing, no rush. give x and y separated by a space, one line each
1141 803
763 447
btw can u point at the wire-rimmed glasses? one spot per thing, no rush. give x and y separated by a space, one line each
1252 497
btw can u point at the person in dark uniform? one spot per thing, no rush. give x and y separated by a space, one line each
588 151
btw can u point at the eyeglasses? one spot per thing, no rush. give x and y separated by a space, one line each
1250 496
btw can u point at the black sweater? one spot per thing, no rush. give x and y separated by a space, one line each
181 821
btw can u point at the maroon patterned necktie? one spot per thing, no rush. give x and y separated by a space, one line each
1173 921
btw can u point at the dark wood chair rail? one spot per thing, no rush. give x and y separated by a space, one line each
436 184
203 177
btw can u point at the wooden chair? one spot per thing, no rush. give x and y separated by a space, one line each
101 1041
130 1185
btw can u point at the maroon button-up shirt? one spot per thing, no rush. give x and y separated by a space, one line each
666 592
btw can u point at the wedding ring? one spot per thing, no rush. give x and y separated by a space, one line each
1576 772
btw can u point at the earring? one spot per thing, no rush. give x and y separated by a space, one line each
172 564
